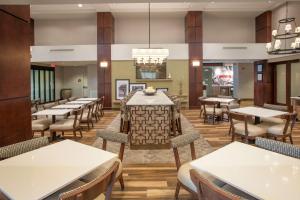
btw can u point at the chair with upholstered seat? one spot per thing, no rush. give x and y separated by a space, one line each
177 115
70 124
278 147
240 126
124 115
87 116
72 98
101 110
183 170
208 190
201 106
274 120
120 138
284 130
93 190
211 110
40 125
49 105
23 147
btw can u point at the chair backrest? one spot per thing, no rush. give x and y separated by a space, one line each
49 105
239 117
278 147
77 117
90 108
183 140
207 190
63 101
290 120
108 135
276 107
210 104
94 188
22 147
177 103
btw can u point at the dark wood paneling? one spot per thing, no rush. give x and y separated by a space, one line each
15 120
31 34
15 113
14 57
264 90
105 37
263 27
19 11
194 35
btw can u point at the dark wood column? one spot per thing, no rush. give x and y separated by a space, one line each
263 89
263 27
105 37
15 113
193 36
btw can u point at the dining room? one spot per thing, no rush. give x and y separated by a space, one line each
151 99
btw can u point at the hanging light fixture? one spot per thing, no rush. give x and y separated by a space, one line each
285 40
150 55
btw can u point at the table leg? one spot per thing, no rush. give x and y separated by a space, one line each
53 133
257 120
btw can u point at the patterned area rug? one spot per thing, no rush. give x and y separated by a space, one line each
156 156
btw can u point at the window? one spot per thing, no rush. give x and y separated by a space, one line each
42 83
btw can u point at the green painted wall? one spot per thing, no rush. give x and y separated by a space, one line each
177 68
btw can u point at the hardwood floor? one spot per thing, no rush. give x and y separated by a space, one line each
158 181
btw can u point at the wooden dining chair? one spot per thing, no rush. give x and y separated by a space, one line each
102 106
239 125
61 102
93 190
115 137
124 117
70 124
177 115
211 110
284 130
87 116
274 120
207 190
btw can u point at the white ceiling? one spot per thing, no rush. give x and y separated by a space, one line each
69 9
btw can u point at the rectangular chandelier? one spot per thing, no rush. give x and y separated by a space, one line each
150 56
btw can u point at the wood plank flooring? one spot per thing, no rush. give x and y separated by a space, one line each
158 181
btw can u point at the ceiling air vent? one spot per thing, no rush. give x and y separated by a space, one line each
235 48
52 50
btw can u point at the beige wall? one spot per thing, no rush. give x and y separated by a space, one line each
223 28
295 79
245 81
177 68
65 31
280 12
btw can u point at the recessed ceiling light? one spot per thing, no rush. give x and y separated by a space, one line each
79 5
269 1
212 2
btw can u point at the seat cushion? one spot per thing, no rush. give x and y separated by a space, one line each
184 177
101 170
84 117
64 124
277 129
40 124
210 111
252 129
273 120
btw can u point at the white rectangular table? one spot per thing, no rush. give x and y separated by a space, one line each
67 106
87 99
220 100
39 173
140 99
258 112
79 102
262 174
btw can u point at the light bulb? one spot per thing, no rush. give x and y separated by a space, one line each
288 28
269 46
277 44
274 32
297 40
297 29
293 45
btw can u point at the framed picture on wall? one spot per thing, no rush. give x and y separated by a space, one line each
122 88
162 89
259 68
259 77
137 86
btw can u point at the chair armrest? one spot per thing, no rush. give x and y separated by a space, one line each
184 139
112 136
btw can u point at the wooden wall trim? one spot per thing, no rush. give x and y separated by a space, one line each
15 113
194 37
263 27
105 37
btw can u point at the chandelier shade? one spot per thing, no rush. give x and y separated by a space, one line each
153 56
286 38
